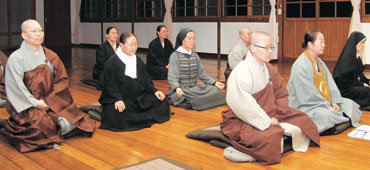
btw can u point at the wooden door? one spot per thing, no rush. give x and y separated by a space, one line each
58 29
301 16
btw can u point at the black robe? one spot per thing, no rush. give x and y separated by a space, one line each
3 60
142 107
157 58
348 72
102 55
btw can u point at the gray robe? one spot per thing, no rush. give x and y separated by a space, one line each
237 54
22 60
304 96
190 92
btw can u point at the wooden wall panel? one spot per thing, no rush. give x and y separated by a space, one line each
294 31
335 32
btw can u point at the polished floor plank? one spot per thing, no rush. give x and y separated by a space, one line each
7 164
21 160
56 159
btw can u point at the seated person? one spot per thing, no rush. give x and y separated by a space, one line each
259 115
348 72
106 50
185 68
312 89
3 59
158 56
129 99
239 51
40 105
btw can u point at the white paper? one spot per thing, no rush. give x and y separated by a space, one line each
362 132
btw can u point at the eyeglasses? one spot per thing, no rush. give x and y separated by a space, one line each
266 48
35 31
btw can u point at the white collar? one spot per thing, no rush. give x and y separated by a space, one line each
182 50
358 55
130 62
124 56
261 66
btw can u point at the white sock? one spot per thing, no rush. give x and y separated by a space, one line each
65 125
300 141
231 154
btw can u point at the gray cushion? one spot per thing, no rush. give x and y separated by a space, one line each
212 134
87 108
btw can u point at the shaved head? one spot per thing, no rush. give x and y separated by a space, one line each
244 30
32 33
261 47
258 37
26 25
244 34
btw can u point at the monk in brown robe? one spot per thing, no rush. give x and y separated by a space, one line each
259 115
41 108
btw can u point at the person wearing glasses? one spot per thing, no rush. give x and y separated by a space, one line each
158 55
259 115
41 108
185 69
313 91
239 51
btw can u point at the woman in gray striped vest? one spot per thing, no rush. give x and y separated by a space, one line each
185 68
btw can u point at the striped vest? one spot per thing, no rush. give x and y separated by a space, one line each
188 69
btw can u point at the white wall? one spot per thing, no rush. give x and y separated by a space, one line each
365 29
205 32
75 22
91 33
230 33
86 32
145 33
40 12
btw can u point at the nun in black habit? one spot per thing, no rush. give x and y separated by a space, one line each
106 50
348 71
129 99
158 55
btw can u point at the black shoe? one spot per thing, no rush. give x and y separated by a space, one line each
366 108
2 131
2 121
74 132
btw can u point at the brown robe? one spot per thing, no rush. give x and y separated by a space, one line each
35 128
265 146
3 60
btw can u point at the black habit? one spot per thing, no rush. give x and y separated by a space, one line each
102 55
142 107
157 58
348 72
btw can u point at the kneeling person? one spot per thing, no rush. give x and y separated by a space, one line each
259 114
313 91
185 69
40 105
129 99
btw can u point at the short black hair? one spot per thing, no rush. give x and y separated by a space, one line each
159 27
110 28
309 36
124 36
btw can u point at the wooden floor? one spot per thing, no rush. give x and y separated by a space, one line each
109 150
